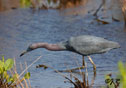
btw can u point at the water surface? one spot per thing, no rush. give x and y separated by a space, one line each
21 27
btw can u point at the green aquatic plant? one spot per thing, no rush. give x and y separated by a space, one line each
110 81
25 3
49 1
9 78
122 74
120 80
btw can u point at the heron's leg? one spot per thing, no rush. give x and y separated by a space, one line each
83 62
94 66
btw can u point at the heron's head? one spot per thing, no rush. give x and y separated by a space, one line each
30 48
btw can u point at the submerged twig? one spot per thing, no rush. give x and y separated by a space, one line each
95 14
59 73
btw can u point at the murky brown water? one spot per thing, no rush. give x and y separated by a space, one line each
21 27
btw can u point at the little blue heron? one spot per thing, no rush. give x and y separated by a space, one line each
84 45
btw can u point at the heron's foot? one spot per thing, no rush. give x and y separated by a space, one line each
94 67
73 69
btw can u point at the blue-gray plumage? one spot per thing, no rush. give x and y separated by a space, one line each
87 45
83 45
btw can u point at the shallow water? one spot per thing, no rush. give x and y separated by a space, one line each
21 27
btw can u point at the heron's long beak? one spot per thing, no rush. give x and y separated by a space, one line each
23 53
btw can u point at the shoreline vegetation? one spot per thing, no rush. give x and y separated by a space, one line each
10 78
105 13
41 4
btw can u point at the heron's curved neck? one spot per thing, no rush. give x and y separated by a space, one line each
52 47
39 45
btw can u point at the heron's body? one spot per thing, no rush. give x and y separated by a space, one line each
87 45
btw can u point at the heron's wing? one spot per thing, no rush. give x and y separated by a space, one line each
87 45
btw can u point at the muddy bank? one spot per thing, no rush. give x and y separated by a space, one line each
8 4
108 11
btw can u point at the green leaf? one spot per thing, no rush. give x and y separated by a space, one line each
10 79
121 68
3 58
7 77
25 3
8 64
28 3
5 74
1 66
1 63
27 75
122 74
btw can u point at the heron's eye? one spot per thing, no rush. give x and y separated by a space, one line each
30 49
31 46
